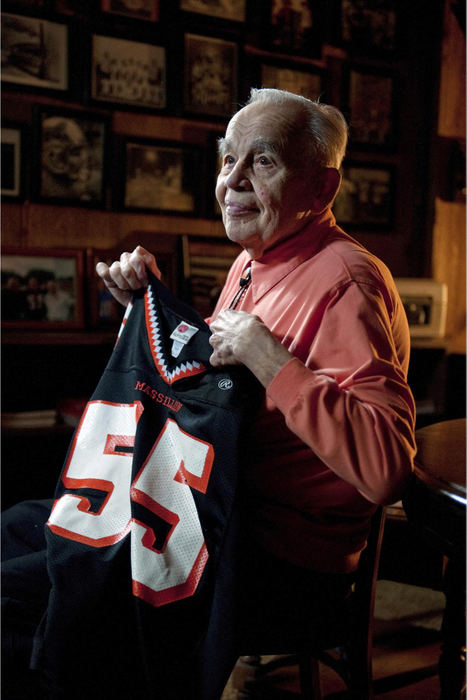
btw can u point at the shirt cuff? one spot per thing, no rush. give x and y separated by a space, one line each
288 383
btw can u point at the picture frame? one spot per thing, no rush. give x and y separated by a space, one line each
211 69
371 109
304 81
71 157
161 176
147 10
34 52
128 72
42 288
232 10
366 197
12 187
290 27
368 27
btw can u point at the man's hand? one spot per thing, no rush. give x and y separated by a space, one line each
126 275
242 338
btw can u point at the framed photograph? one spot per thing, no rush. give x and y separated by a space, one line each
371 109
128 72
224 9
71 157
34 52
161 176
142 9
104 311
366 197
42 288
308 83
206 263
368 26
210 76
12 170
291 27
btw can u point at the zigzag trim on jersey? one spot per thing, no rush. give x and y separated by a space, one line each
185 369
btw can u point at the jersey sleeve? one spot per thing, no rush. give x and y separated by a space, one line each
350 401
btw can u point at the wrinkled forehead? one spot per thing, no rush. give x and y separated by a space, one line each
271 125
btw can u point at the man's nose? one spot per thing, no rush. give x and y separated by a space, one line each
238 177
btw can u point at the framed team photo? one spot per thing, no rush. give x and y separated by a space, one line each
223 9
42 288
12 170
371 108
161 176
142 9
71 157
210 76
34 52
366 197
128 72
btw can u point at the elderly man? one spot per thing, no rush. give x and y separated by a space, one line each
317 319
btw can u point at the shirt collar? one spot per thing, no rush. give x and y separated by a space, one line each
277 262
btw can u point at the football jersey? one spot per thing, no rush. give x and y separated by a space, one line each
141 537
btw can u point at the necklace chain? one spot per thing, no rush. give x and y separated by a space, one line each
244 284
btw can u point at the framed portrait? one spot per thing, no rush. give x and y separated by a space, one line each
143 9
128 72
308 83
71 157
291 27
42 288
12 165
210 76
366 197
161 176
371 109
223 9
368 26
34 52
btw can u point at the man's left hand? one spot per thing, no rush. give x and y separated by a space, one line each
242 338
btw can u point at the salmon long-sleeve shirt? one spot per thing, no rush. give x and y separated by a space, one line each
335 435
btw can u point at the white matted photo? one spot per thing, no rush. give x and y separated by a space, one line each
129 72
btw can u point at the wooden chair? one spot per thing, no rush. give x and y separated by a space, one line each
344 644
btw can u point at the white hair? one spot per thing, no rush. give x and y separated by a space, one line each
325 126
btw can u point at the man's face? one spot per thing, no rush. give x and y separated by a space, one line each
266 185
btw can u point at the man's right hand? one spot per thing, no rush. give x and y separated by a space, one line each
126 275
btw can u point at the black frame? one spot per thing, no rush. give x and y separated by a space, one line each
366 27
85 130
148 179
25 64
118 7
298 34
370 106
365 202
207 98
12 159
147 92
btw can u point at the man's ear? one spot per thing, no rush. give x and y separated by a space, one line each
330 182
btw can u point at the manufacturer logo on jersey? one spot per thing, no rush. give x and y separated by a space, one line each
225 384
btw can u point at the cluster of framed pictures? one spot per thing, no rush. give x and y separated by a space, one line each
58 288
202 68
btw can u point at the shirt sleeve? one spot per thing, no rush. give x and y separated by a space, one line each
350 401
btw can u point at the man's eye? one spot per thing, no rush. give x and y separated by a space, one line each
228 160
263 160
